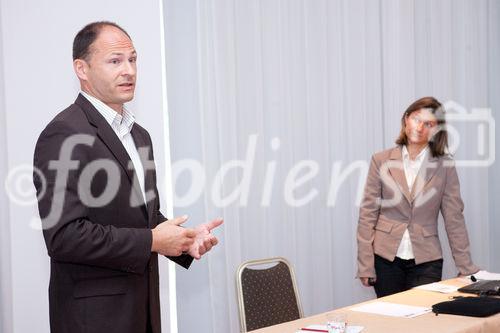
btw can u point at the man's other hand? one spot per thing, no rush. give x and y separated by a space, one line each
204 239
170 239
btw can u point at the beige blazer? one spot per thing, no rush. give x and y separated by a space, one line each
388 209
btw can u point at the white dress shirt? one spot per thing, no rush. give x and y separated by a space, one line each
122 125
411 169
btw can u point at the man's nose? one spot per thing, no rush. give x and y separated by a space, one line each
129 68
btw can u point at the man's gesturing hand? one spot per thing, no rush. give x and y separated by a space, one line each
204 240
170 239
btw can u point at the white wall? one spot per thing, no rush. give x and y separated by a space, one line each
38 83
5 254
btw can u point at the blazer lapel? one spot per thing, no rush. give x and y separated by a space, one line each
397 172
111 140
146 156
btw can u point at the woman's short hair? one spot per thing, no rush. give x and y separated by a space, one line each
438 143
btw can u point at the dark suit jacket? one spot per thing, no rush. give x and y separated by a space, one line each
104 277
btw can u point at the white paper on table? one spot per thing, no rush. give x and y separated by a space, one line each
392 309
348 329
485 275
439 287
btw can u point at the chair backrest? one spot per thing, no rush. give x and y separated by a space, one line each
266 296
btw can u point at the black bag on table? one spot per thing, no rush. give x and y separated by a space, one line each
469 306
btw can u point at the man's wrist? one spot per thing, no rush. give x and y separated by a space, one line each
153 241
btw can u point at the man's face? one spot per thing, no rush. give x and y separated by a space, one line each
110 70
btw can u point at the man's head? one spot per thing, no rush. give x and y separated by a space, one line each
104 60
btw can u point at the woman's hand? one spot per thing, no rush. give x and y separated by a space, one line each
368 281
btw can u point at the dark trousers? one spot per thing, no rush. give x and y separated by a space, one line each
400 275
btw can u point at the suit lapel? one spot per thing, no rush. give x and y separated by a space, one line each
111 140
397 172
145 153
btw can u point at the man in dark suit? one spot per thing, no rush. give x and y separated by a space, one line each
98 201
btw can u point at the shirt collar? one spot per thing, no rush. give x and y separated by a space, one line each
113 118
420 156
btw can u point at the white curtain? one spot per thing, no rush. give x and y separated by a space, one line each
309 89
494 99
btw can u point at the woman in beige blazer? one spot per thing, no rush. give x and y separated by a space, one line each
406 188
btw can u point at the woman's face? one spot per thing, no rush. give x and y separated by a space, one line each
420 126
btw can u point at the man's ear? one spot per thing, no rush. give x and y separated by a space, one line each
81 67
